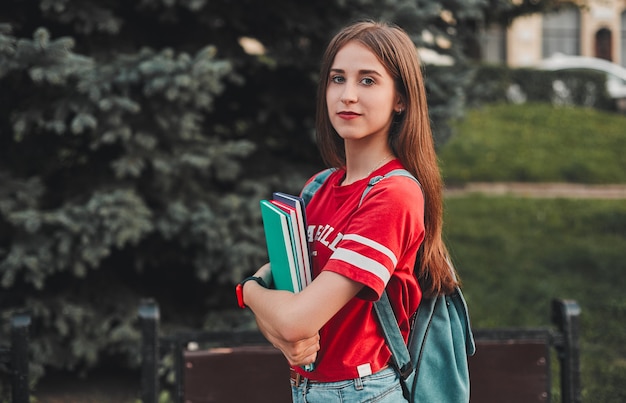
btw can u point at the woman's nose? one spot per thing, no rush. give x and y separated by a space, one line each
349 94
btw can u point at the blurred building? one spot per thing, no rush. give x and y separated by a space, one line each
595 28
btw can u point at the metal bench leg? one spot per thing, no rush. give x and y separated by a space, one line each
149 321
20 324
566 316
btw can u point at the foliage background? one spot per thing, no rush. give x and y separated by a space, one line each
515 254
136 138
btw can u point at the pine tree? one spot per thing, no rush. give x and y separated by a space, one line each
136 139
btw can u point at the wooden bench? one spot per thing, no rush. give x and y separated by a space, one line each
14 358
510 365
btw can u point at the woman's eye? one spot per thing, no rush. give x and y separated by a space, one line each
367 81
337 79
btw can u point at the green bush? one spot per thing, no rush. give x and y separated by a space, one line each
497 83
536 143
489 84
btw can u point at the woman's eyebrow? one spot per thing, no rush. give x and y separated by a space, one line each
361 72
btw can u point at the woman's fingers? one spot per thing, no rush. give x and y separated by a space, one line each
301 352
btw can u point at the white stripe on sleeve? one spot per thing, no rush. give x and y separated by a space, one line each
374 245
363 263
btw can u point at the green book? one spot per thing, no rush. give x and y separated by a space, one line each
280 248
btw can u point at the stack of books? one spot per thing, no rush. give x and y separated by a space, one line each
284 223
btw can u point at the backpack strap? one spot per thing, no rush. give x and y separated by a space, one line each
313 186
400 356
395 172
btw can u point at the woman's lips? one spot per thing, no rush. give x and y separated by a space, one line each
348 115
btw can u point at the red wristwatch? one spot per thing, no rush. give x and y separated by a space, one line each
239 289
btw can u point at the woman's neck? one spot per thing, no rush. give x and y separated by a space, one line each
361 164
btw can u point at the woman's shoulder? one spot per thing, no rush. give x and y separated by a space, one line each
398 186
395 199
395 174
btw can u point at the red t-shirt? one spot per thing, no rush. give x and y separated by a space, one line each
375 244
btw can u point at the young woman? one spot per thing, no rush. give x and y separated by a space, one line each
372 118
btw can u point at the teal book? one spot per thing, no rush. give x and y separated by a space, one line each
280 247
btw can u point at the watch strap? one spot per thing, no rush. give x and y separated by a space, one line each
239 289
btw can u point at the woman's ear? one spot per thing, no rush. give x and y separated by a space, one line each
399 107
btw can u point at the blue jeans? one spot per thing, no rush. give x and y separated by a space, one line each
381 387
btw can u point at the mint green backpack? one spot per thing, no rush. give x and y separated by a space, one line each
433 366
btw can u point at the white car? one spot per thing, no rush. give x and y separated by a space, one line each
615 74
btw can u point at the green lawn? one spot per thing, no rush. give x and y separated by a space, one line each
516 254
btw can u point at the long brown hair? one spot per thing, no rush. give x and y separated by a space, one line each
410 137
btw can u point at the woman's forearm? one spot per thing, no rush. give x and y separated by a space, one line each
278 312
301 352
294 317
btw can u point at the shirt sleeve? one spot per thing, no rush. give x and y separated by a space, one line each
383 235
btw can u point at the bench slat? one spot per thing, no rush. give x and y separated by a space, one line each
510 372
238 374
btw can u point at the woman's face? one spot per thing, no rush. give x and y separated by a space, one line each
361 95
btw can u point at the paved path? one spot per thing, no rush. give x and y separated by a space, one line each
540 190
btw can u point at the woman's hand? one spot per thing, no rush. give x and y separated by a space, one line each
298 353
